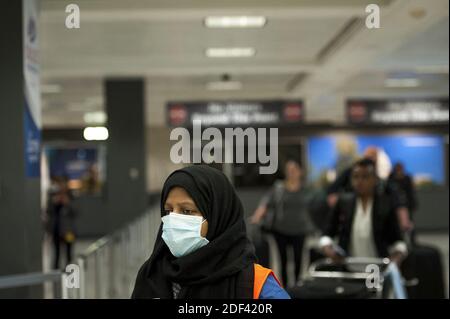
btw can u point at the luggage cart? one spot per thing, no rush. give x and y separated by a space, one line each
353 278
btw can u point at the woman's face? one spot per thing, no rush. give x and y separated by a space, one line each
178 201
293 171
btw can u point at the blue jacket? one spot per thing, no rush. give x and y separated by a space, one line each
272 290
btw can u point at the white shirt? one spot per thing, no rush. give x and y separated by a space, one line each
362 243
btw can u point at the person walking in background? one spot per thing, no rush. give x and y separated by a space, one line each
285 213
90 182
60 219
364 221
343 182
403 185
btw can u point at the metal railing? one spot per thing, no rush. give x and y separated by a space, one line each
55 277
108 267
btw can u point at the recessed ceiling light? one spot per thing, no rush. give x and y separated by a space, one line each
98 133
402 83
235 21
230 52
224 85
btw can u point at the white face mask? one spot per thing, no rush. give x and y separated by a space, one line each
182 233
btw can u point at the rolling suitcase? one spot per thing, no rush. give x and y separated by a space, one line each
423 268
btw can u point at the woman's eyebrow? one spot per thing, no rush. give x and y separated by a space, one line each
187 202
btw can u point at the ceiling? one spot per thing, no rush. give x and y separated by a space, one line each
317 50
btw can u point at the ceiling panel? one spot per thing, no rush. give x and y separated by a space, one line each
164 42
110 47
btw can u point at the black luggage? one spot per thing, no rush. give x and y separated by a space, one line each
423 268
330 288
315 254
344 280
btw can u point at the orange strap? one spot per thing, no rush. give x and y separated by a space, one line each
261 275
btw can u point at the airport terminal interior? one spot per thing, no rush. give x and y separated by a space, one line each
299 103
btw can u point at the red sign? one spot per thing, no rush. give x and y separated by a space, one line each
178 114
357 111
292 112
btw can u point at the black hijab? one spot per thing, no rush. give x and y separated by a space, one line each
215 270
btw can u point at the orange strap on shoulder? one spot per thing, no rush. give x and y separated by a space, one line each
261 274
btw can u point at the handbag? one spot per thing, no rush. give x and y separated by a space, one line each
269 218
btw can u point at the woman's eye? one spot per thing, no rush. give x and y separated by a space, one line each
187 212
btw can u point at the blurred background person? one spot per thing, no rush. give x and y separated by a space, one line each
403 185
284 211
60 219
347 149
364 221
91 182
343 181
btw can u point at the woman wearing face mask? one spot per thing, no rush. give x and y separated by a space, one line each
202 250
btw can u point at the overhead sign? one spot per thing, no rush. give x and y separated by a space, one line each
385 112
235 113
32 114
